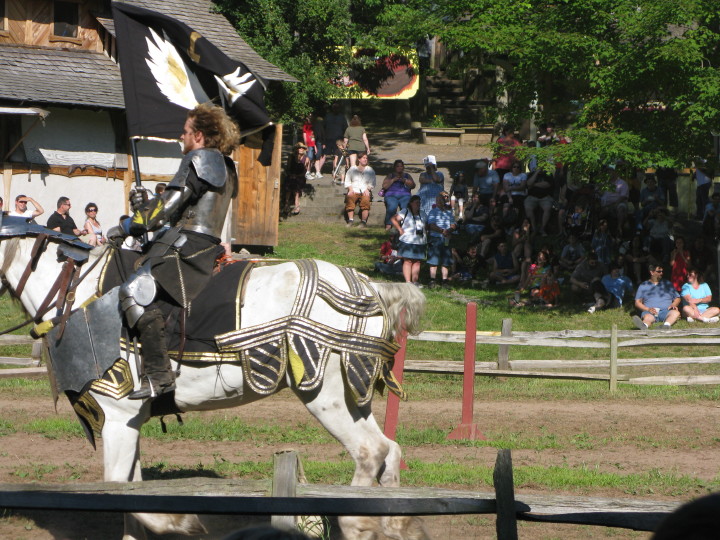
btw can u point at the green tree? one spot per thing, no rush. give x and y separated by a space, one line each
640 78
312 40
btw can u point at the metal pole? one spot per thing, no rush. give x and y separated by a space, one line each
136 170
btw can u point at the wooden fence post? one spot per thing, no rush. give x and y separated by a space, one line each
467 428
392 409
613 359
36 354
504 350
284 484
506 521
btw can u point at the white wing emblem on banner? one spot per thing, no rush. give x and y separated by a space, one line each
235 85
174 80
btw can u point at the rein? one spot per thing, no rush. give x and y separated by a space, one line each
64 285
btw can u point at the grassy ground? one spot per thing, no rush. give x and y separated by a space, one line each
445 311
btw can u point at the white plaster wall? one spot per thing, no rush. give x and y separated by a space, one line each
80 137
108 194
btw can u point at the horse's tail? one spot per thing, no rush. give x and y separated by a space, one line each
402 296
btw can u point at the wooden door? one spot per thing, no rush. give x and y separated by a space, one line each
256 210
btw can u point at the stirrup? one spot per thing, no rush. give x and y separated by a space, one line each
149 390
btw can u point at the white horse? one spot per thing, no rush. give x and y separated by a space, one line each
269 295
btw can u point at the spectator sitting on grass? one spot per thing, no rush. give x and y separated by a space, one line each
505 269
696 298
616 286
585 280
657 301
572 254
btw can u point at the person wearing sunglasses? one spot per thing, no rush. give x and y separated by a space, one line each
93 229
22 210
658 301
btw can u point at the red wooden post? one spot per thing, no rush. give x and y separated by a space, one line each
467 428
393 402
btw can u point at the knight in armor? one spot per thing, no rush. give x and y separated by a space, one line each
179 261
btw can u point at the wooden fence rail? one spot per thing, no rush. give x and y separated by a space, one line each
35 355
285 496
611 340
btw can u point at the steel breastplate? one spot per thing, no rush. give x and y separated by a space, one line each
207 215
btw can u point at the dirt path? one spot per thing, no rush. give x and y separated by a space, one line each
610 436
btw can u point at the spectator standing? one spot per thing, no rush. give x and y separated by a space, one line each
432 182
335 126
540 193
515 186
92 228
359 182
295 178
22 210
396 190
667 182
486 182
602 243
458 194
613 203
505 155
61 221
320 144
679 263
312 148
696 297
356 140
412 244
657 300
651 197
703 175
340 161
441 224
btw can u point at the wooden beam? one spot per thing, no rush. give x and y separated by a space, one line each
34 373
504 350
678 380
284 484
506 522
249 497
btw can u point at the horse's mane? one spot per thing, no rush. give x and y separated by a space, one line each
399 297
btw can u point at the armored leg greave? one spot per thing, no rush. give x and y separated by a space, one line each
159 377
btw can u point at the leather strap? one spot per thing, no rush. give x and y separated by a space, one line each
37 250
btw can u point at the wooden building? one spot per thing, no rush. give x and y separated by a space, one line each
62 123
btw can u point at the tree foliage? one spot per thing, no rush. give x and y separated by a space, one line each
639 79
636 79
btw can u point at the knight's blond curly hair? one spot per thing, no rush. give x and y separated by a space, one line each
219 129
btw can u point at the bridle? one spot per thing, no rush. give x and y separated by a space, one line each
65 285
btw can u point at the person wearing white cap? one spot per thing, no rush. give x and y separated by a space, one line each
432 182
485 182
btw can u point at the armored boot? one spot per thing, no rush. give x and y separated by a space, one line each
159 377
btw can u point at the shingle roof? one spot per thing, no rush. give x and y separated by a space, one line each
200 16
52 75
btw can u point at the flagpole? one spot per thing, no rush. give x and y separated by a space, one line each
136 170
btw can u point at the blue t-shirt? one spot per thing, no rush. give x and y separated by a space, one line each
658 296
486 184
617 287
701 292
441 218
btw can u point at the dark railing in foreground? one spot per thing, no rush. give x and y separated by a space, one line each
255 497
